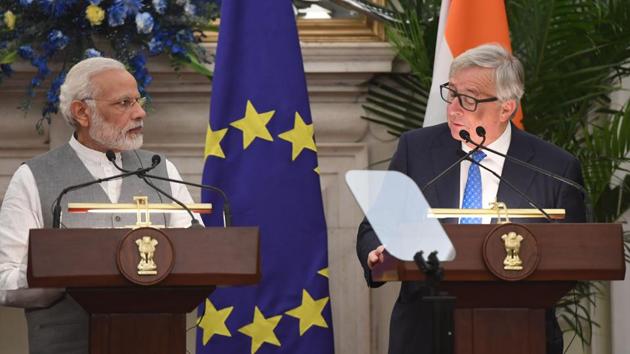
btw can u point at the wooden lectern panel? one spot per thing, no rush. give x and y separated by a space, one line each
569 252
496 316
133 334
472 328
134 317
87 257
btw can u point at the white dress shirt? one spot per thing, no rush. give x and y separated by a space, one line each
489 183
21 211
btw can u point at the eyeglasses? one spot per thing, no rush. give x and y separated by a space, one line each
468 103
123 104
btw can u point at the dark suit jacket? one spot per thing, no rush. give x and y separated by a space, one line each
424 153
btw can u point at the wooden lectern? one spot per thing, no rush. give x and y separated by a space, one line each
502 311
132 313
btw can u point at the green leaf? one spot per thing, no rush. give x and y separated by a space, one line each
8 57
197 66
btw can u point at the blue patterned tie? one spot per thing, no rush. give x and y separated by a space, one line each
472 192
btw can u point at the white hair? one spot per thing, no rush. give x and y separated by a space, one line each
508 70
78 83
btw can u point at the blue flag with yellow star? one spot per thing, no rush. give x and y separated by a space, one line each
260 149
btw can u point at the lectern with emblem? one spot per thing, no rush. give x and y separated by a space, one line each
501 276
138 283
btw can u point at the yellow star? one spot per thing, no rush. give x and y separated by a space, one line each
261 330
301 136
316 169
323 272
309 312
213 142
253 125
213 321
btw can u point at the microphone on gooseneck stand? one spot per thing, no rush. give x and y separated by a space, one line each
56 222
513 187
587 199
155 159
481 132
227 214
465 136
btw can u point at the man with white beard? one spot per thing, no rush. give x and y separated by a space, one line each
100 100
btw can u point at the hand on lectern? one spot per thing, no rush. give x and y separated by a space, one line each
376 257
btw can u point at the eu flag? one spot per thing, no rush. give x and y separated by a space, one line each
260 149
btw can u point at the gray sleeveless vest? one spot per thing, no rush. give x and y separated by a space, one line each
63 328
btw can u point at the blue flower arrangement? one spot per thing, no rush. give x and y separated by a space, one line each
66 31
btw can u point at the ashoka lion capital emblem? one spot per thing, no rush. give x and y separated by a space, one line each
146 247
512 242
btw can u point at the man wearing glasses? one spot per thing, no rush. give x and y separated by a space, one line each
484 90
100 100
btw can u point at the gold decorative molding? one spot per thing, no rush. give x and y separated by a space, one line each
555 214
359 29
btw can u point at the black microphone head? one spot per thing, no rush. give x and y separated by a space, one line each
110 155
461 153
155 160
464 134
481 132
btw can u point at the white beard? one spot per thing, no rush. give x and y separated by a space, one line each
111 137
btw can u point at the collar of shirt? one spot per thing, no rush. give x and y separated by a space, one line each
99 166
90 156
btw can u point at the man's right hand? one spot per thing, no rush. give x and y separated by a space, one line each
376 257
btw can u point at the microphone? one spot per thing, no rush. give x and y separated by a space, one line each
57 208
587 200
111 156
227 214
513 187
480 131
466 136
155 159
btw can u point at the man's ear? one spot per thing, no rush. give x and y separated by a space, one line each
81 113
508 110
